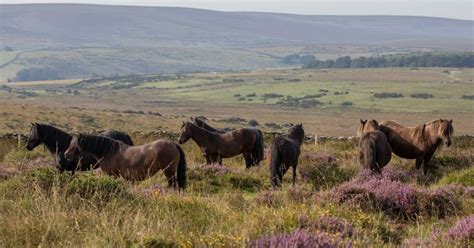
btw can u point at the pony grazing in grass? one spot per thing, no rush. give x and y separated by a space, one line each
57 141
374 149
284 153
418 142
215 146
134 163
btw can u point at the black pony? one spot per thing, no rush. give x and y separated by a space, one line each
57 141
284 153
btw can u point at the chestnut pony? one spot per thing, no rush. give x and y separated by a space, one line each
374 149
133 163
418 142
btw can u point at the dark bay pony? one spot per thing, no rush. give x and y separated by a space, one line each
134 163
215 146
57 141
374 149
418 142
284 153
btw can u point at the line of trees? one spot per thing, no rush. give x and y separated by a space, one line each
35 74
465 59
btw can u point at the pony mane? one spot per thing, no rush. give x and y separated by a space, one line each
98 144
53 137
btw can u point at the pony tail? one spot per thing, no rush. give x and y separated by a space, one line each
275 163
367 154
258 147
181 172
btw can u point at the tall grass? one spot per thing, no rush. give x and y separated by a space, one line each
222 206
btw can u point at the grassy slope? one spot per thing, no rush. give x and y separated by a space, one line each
215 210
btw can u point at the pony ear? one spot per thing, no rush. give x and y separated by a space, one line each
451 121
363 121
376 122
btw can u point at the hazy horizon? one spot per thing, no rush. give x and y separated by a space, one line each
460 9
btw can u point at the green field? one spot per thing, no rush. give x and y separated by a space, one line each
178 97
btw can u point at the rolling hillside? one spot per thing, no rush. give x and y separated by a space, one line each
83 41
55 25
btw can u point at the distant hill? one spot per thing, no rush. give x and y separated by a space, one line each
32 26
89 41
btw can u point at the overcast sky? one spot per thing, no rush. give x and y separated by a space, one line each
459 9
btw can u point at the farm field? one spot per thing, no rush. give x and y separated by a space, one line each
334 202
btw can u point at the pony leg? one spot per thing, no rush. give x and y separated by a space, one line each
419 161
248 160
294 174
171 176
426 163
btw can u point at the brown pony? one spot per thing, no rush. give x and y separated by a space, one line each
374 149
133 163
216 146
418 142
284 153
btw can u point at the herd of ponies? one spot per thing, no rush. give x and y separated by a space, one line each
115 153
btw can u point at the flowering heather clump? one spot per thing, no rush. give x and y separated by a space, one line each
442 201
460 234
393 198
463 230
300 238
216 169
394 174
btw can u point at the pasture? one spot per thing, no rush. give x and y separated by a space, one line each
234 206
333 202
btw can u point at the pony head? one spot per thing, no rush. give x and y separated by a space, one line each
445 130
74 150
34 138
296 133
186 132
367 126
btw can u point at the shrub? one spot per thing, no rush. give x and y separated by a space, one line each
253 123
158 243
89 185
441 202
252 95
421 95
346 103
388 95
468 97
393 198
463 230
322 171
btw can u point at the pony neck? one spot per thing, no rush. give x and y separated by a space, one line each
98 146
294 137
54 139
431 133
200 135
